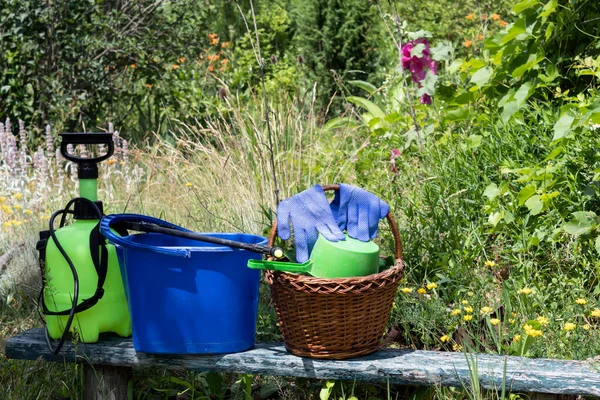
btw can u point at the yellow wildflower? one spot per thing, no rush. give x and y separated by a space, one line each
470 17
595 312
432 285
535 333
406 290
531 331
18 196
445 339
2 199
486 310
494 321
516 338
470 294
581 302
175 66
543 321
587 327
469 309
456 311
7 224
468 317
502 23
17 223
465 302
526 291
457 347
569 326
467 43
512 320
6 209
189 184
17 207
421 291
480 37
28 212
490 264
495 17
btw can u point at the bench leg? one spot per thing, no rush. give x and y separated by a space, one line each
106 382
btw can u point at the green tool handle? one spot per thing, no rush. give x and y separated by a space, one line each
281 266
256 248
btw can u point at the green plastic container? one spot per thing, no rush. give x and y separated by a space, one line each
341 259
110 314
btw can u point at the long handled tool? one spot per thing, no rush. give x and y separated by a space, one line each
122 223
256 248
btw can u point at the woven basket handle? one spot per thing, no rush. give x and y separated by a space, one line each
390 218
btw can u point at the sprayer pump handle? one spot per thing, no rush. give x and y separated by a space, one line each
76 138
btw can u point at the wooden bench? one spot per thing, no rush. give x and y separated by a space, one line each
108 366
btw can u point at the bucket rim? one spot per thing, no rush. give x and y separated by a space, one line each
126 242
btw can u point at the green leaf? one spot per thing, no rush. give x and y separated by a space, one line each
551 74
326 391
532 61
509 110
456 114
597 243
474 141
367 104
534 204
554 153
366 86
549 8
442 51
419 34
563 126
518 28
482 76
495 218
583 222
428 84
491 191
524 5
549 30
525 194
340 122
417 50
522 94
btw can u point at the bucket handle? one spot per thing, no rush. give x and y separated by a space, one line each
389 217
110 221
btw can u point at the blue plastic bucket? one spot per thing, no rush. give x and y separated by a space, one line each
186 296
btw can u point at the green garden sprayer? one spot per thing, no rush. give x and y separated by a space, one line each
82 288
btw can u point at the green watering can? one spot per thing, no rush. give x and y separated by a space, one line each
342 259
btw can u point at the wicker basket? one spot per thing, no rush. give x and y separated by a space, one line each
335 318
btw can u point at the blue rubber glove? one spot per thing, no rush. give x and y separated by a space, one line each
310 214
358 212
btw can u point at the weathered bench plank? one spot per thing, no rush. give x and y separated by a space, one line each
413 367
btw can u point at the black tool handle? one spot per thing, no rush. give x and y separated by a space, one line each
76 138
256 248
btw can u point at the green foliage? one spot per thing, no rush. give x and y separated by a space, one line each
496 184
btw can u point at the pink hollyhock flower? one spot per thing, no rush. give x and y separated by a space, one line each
418 66
395 153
